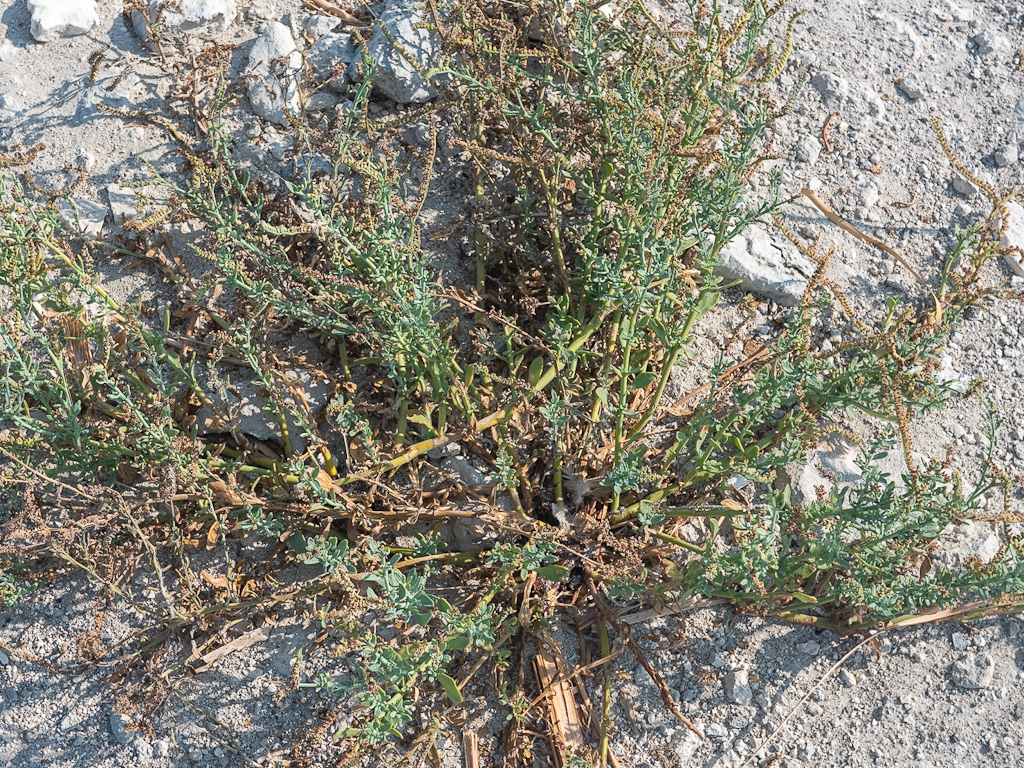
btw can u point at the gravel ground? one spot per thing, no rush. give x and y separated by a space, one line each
939 696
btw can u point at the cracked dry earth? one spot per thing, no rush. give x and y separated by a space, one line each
945 696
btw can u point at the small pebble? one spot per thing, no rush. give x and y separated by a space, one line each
989 42
964 186
973 672
811 648
1006 155
847 678
866 192
118 723
808 149
911 89
716 731
737 688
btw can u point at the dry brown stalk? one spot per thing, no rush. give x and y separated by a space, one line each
848 227
566 730
471 749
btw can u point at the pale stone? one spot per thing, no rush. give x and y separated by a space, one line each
1013 238
54 19
399 68
273 87
772 267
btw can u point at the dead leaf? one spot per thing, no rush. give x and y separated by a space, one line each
213 536
224 496
217 582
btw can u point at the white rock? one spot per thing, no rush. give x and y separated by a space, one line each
811 648
808 149
1006 155
835 462
951 377
972 540
959 640
273 88
773 268
839 458
1014 238
144 750
329 59
118 727
1018 115
949 10
319 101
7 50
973 672
54 19
737 688
124 203
396 77
187 14
834 89
465 472
9 103
990 42
964 186
911 88
253 416
318 25
684 743
904 32
82 216
868 102
857 100
866 192
716 731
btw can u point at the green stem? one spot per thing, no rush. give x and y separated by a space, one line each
677 542
492 420
666 371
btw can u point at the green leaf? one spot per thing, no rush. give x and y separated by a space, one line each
659 329
422 619
643 380
459 643
553 572
536 370
424 420
451 690
802 598
707 302
298 543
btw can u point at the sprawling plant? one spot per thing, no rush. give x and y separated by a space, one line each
491 443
